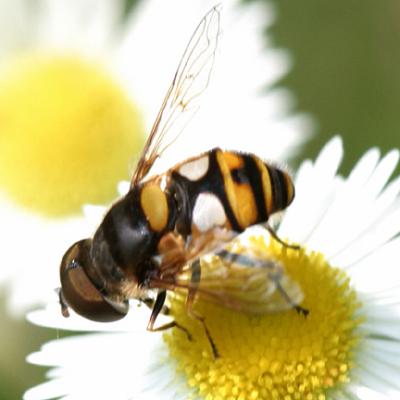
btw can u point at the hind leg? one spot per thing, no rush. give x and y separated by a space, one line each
194 284
278 239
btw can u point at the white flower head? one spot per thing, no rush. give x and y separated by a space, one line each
347 347
87 89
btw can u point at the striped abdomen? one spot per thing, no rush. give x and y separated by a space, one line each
232 189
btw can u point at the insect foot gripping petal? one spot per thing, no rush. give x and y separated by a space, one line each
80 293
288 298
302 310
279 240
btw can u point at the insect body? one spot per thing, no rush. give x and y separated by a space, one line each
169 220
153 237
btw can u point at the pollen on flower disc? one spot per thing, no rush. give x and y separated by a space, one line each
68 134
283 355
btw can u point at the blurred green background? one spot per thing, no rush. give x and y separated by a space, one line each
346 69
345 74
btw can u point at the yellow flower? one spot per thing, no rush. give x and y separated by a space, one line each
68 133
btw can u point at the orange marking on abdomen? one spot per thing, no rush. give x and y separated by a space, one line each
240 195
267 185
232 160
246 205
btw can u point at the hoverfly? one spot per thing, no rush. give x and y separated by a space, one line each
151 240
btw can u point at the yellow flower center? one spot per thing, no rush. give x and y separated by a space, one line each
283 355
67 134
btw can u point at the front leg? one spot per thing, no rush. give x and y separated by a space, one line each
192 290
157 308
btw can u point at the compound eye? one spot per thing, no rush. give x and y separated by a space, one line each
79 293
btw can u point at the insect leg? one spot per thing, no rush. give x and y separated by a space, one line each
150 301
194 281
278 239
158 306
299 309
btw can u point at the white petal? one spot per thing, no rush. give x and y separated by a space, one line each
45 241
364 393
329 159
133 355
378 376
48 390
123 188
383 346
94 214
135 321
16 26
316 187
354 218
86 25
380 264
364 168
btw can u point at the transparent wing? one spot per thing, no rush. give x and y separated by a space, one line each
245 282
183 96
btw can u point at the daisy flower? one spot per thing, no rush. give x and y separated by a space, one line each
79 91
347 347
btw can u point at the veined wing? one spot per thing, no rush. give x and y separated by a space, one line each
245 283
183 96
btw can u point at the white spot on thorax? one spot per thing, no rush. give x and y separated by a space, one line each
195 169
208 212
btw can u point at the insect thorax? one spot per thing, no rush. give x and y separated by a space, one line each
125 242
